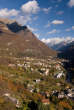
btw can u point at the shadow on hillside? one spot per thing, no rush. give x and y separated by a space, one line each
68 64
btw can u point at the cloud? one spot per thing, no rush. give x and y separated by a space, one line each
60 12
71 3
47 10
35 18
56 22
25 13
68 30
8 13
37 35
32 29
30 7
57 40
53 31
27 10
72 27
23 19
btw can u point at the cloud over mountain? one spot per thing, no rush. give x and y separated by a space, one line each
57 40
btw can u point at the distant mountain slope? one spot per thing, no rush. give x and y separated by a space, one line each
59 46
19 41
67 52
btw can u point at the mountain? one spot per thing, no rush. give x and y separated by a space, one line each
19 41
60 46
67 52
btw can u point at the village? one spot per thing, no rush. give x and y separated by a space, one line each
52 68
42 66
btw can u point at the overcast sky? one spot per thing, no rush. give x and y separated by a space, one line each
48 19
